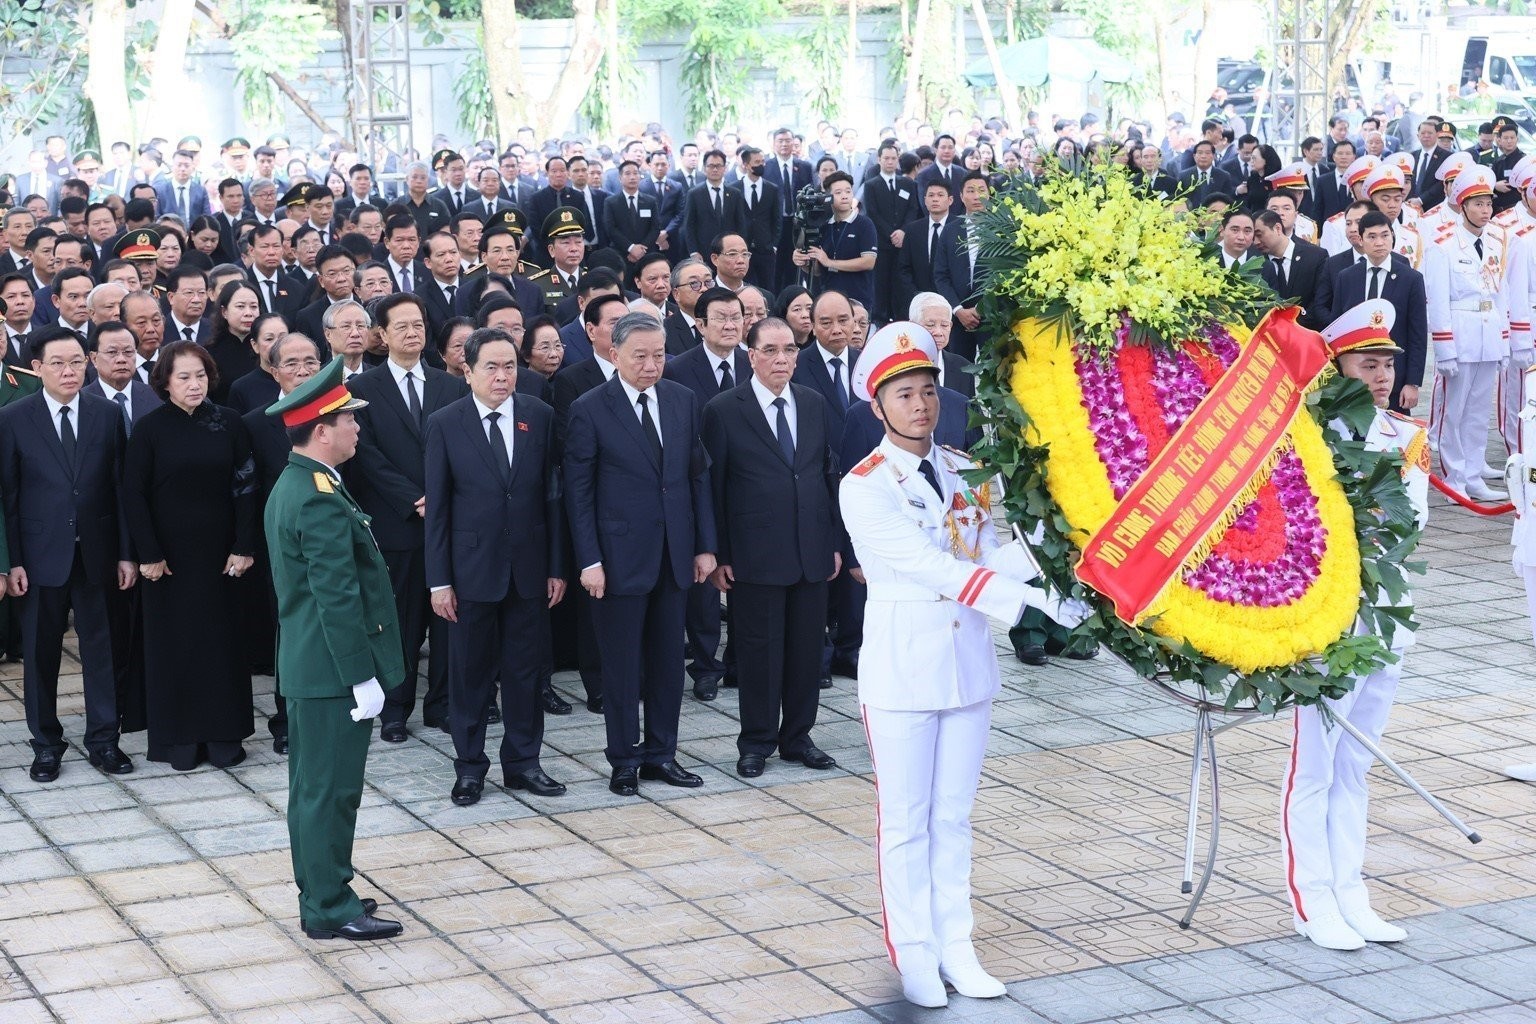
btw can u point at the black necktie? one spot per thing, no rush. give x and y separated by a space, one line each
926 468
412 399
634 211
754 195
1477 243
933 243
67 436
122 404
499 447
1375 289
450 290
836 365
23 266
648 427
1279 262
271 294
786 439
186 334
726 380
716 191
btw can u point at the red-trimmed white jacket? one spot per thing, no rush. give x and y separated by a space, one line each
1468 307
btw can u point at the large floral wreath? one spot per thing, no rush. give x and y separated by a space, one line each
1109 326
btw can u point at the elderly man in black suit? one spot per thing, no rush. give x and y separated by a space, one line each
774 486
440 285
1385 275
61 454
388 478
637 495
493 562
710 369
931 311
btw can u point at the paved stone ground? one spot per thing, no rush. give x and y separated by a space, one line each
160 897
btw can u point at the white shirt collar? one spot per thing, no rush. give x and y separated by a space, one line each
55 406
827 355
634 397
178 327
110 392
608 368
400 372
765 398
505 408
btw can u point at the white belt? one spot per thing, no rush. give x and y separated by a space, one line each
1468 306
902 592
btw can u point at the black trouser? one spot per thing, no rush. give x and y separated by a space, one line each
887 286
703 634
778 633
507 641
845 608
641 639
413 603
44 620
125 625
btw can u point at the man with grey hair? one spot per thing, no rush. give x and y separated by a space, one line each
689 280
346 326
931 310
263 193
633 456
106 302
431 214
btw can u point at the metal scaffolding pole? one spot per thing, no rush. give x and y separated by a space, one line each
381 59
1299 99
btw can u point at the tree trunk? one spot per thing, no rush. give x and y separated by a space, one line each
168 85
852 84
611 52
581 61
503 64
1360 16
912 99
222 27
1160 42
1204 78
1005 89
106 77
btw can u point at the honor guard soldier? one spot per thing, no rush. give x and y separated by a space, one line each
1291 182
1519 227
1323 801
1520 477
1407 213
1519 215
1384 189
1469 326
928 672
141 247
338 648
565 236
1440 221
1334 238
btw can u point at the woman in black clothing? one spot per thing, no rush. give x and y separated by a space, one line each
234 315
1253 191
189 496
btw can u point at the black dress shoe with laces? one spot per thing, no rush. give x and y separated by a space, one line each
467 791
811 757
552 702
392 732
624 782
45 766
111 760
279 744
750 766
535 782
706 691
672 773
362 928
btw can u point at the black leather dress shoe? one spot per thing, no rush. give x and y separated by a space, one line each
111 760
439 722
494 715
595 705
706 691
750 766
625 782
1031 654
845 667
467 791
672 773
369 906
279 744
825 682
811 757
45 766
552 702
535 782
362 928
392 732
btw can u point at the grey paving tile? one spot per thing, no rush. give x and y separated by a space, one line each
1510 973
1172 1015
128 853
1451 934
1212 974
1301 1004
1494 1015
1515 916
1089 996
1410 992
1300 958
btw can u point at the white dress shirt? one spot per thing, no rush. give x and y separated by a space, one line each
505 424
177 327
765 400
651 402
840 375
53 413
401 373
608 368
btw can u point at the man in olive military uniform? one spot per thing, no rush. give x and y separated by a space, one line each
565 234
15 383
338 647
141 247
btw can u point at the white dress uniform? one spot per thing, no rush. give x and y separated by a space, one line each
1469 326
928 672
1323 800
1519 227
1335 237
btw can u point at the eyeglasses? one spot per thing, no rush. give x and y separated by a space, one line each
727 319
697 286
736 254
299 364
351 328
60 365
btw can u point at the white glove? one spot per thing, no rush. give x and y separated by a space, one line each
1447 367
1066 611
1523 358
370 699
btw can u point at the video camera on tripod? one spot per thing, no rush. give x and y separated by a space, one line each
813 212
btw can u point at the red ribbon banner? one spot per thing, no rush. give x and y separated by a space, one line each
1205 468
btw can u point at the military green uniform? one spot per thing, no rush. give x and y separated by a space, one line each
552 286
336 628
15 384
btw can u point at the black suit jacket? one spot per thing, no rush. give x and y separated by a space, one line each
291 297
569 384
438 309
669 206
252 392
887 208
914 269
1194 192
540 205
49 503
310 322
141 397
625 509
1330 197
1301 283
1404 289
956 377
696 370
953 278
624 229
811 371
701 226
776 520
488 534
679 335
800 171
1425 187
932 173
388 474
269 447
762 222
480 208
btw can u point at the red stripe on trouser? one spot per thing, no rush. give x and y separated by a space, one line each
885 925
1285 819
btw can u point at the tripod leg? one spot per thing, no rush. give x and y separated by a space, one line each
1201 720
1210 853
1408 780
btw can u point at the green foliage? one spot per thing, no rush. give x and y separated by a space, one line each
816 63
273 35
535 10
725 41
43 45
472 95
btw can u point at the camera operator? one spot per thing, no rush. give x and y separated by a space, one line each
847 248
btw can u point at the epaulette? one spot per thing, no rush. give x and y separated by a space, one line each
969 460
323 483
868 465
1406 419
22 369
473 270
539 274
1335 218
